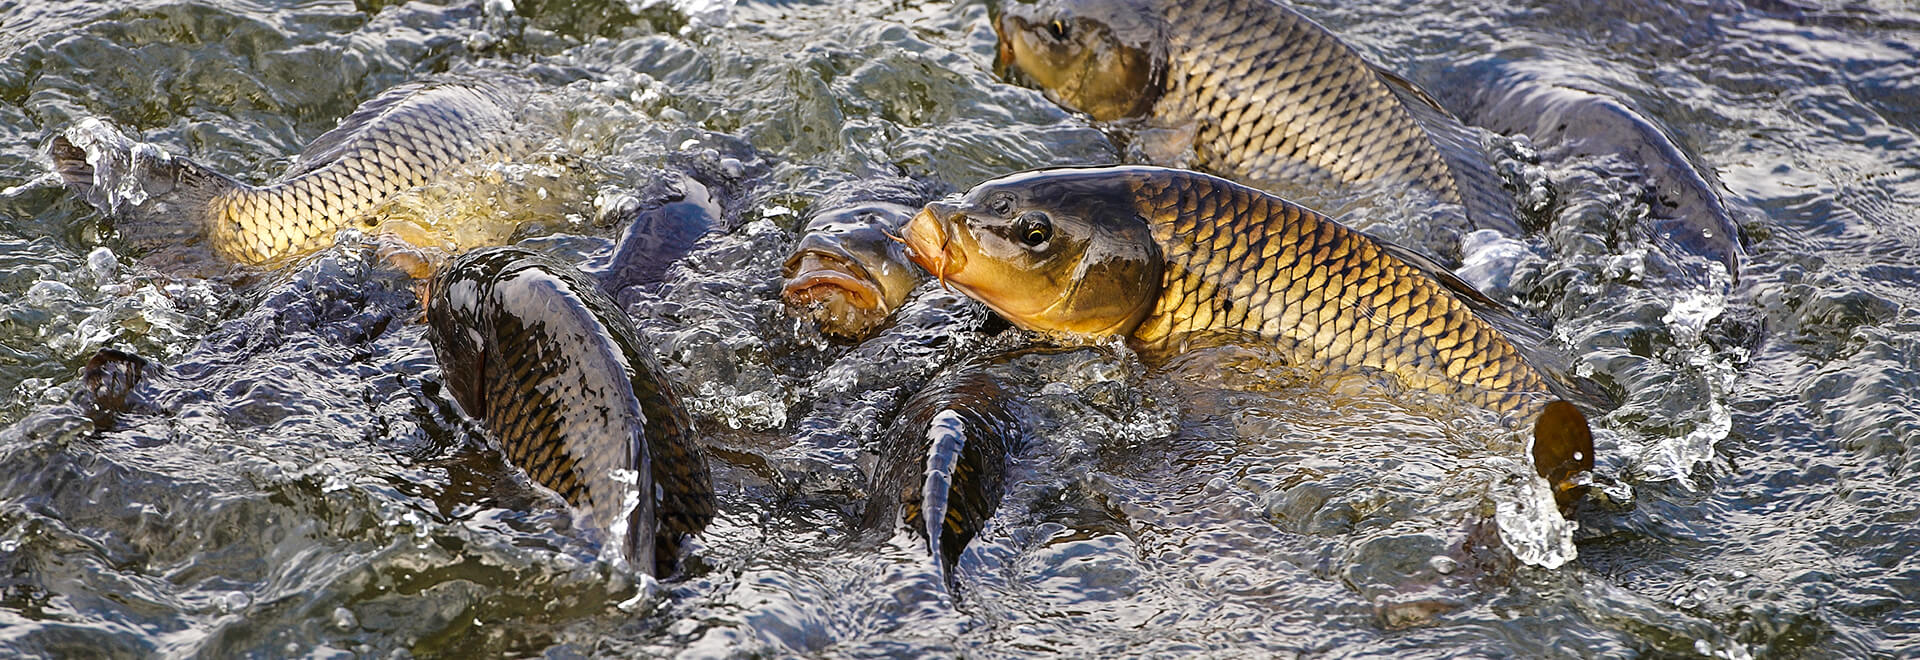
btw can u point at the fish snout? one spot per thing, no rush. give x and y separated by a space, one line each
836 294
1006 28
816 275
929 239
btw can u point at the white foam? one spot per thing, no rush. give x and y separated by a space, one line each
1687 320
1488 258
700 13
1529 520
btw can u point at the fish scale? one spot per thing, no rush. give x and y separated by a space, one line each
404 138
1153 256
1330 294
532 348
945 458
1276 99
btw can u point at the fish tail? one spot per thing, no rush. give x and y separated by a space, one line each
155 199
1562 449
943 461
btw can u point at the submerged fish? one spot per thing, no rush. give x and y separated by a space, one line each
944 462
1166 257
109 384
1267 96
404 138
531 347
1685 207
847 273
654 238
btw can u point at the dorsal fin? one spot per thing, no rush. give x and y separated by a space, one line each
1418 101
1489 205
1486 308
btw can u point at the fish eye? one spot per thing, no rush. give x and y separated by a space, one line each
1035 228
1001 205
1058 28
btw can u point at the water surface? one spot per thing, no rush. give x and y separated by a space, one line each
294 480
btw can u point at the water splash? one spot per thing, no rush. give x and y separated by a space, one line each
1687 320
1529 521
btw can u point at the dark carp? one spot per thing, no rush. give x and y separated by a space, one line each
943 464
1574 119
532 348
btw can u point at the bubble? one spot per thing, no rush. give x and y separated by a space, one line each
344 620
234 601
103 265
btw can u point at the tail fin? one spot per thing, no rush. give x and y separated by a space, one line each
1562 449
155 199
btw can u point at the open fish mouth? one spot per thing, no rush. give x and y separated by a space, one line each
821 276
837 293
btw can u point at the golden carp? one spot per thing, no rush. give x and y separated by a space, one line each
1164 257
1265 95
406 137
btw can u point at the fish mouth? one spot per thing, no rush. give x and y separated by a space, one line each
1003 47
819 276
928 244
837 293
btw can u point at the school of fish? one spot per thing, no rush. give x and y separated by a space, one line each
1166 258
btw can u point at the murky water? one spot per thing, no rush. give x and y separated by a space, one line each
295 482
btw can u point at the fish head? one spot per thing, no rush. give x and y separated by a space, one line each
1102 57
1064 252
848 273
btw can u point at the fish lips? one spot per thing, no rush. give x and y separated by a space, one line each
1005 31
819 274
929 237
834 289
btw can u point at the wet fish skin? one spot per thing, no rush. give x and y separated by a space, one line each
943 464
847 273
1168 257
654 238
1587 123
532 348
1271 98
406 137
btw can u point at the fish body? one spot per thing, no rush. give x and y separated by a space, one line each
656 237
847 273
408 136
1685 207
1166 257
943 464
1267 96
532 348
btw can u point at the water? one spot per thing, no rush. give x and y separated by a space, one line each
296 483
